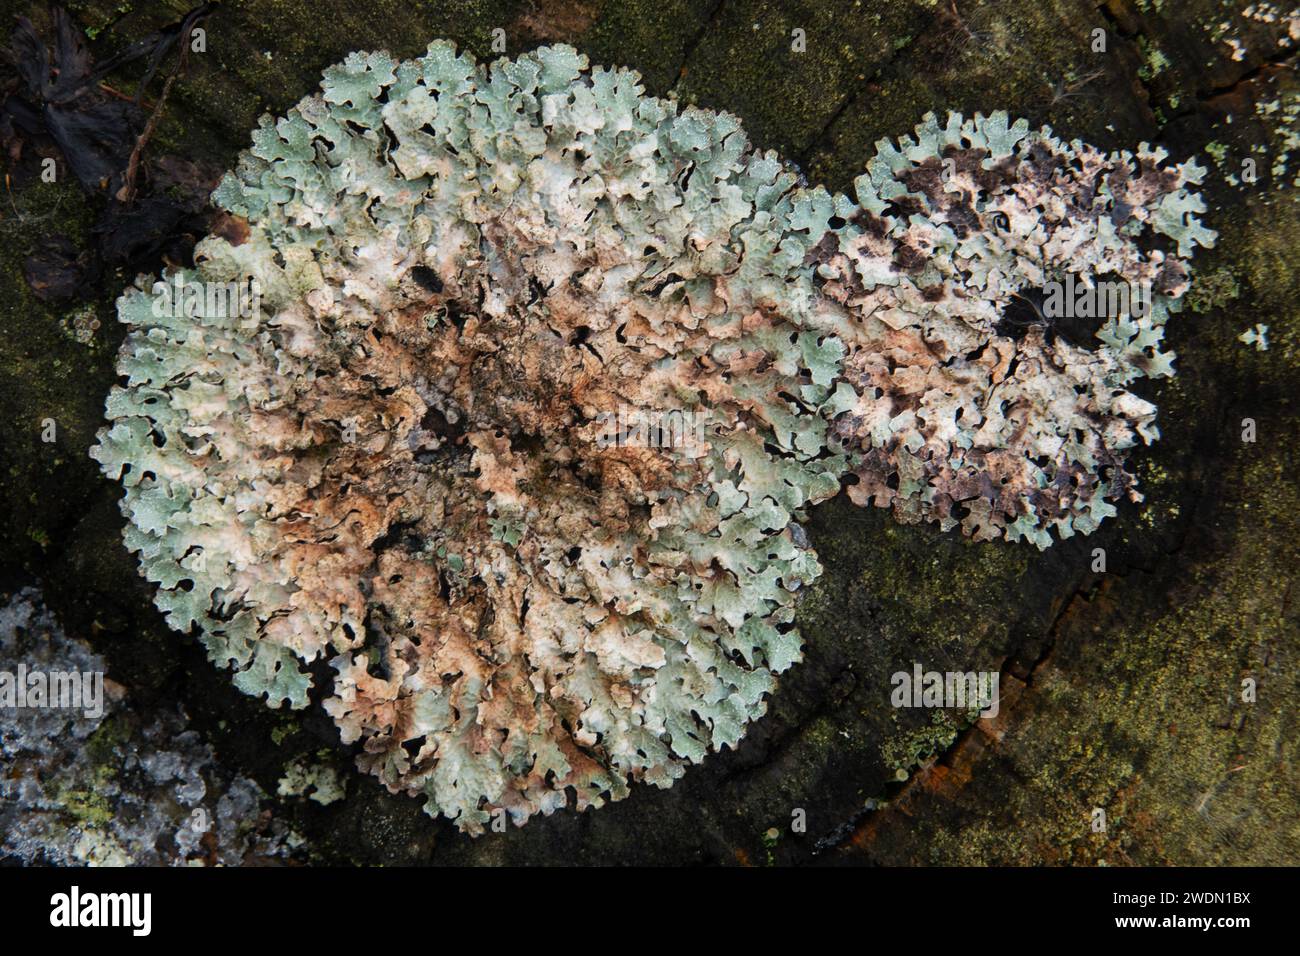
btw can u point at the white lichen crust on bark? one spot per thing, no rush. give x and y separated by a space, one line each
401 463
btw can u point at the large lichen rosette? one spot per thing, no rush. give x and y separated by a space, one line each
412 459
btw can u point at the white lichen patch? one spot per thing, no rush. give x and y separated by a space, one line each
400 464
319 782
113 788
1257 335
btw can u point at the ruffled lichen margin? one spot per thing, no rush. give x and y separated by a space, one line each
401 462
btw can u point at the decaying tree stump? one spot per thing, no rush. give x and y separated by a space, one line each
1122 681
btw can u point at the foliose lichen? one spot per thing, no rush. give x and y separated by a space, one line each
319 781
414 457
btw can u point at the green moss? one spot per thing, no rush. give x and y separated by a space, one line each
654 36
1154 62
102 744
283 732
88 806
908 750
1213 290
751 64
